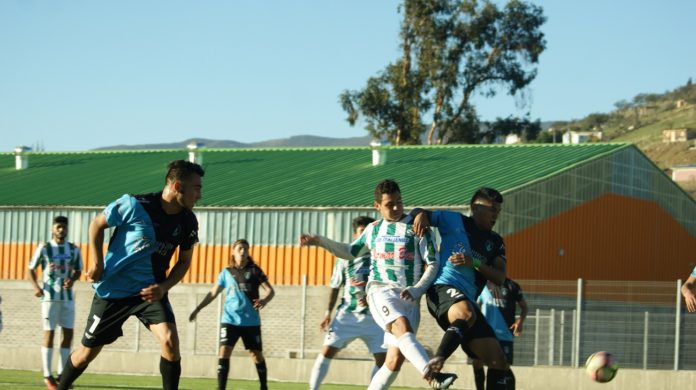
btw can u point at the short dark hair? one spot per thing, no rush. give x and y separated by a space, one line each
487 193
182 170
387 186
361 221
60 219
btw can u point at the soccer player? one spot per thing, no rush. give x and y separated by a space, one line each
131 279
499 304
353 319
61 266
395 284
471 253
240 317
687 291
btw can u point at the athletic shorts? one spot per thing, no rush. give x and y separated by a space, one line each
58 313
251 336
386 306
508 350
106 317
347 326
440 297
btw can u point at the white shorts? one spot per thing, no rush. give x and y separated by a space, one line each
347 327
386 306
58 313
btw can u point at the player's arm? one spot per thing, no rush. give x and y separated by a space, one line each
687 291
155 292
516 328
426 246
496 272
209 297
31 272
96 246
270 293
333 297
421 220
341 250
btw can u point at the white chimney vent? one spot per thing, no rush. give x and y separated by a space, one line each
195 152
379 152
22 157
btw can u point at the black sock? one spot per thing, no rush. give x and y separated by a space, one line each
69 374
171 371
500 380
480 378
222 372
452 338
261 370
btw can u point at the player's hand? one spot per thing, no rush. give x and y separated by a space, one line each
38 292
95 272
421 224
193 315
308 240
324 324
516 328
259 303
152 293
68 283
690 300
406 295
460 259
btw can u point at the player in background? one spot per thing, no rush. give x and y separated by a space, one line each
353 319
402 267
61 266
471 253
687 291
499 305
132 279
240 317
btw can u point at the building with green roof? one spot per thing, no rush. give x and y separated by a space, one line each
563 203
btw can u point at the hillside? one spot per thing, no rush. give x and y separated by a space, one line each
294 141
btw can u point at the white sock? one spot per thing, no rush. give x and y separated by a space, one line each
46 357
64 355
375 368
383 378
321 367
413 351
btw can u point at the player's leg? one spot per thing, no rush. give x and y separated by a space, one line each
228 339
454 313
321 366
159 318
251 336
373 337
488 350
387 374
479 374
67 323
337 337
49 315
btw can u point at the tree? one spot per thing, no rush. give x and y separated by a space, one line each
450 50
523 127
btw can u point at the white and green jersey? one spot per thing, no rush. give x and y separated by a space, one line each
352 275
58 262
397 255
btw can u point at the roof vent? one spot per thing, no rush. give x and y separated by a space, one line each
195 152
22 157
379 152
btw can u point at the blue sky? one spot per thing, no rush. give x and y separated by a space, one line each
76 75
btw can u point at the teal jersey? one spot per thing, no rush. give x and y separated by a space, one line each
57 262
352 275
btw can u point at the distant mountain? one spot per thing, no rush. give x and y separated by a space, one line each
294 141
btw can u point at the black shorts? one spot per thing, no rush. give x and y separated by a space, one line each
508 350
251 336
106 317
440 297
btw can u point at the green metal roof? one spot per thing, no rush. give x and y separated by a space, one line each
292 177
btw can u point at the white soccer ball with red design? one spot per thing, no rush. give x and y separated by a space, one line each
601 366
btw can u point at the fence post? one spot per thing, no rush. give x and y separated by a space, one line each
578 323
645 340
572 339
677 326
552 334
562 338
303 315
536 338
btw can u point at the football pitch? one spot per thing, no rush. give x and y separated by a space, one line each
26 380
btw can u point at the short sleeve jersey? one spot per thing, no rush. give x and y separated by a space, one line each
494 315
352 275
459 234
142 243
693 273
57 262
242 285
397 255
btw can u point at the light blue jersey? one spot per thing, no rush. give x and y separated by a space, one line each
493 315
693 273
454 240
127 263
238 309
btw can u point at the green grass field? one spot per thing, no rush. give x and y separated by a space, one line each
21 380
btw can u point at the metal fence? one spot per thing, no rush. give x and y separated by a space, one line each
644 324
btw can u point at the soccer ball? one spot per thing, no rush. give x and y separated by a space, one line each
601 367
